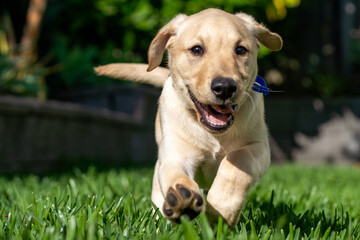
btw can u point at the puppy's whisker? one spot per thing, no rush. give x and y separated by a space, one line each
250 97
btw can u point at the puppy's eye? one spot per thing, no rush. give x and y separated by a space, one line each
197 51
241 50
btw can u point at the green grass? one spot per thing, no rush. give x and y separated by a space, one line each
290 202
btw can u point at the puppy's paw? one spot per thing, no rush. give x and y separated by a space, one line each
182 201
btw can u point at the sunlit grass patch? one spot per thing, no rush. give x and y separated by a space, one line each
290 202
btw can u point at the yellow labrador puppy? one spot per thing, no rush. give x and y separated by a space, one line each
210 126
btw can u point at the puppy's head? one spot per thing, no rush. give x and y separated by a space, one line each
213 61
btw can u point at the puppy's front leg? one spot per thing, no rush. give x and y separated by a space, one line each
236 173
181 194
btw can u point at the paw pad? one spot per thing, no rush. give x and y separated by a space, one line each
182 201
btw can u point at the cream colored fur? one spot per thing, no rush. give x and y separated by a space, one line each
192 157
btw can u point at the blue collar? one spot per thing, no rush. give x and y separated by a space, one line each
260 86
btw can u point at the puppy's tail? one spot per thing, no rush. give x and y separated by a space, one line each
135 72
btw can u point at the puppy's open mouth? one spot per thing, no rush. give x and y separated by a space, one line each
217 118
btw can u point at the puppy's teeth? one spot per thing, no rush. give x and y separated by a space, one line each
235 107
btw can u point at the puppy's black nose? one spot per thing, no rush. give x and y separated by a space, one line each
223 88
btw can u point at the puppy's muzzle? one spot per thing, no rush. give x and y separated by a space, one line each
223 88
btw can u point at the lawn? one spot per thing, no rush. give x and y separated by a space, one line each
290 202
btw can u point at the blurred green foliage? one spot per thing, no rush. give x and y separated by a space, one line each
76 63
104 31
18 76
15 79
80 34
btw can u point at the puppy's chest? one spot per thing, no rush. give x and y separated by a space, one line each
206 170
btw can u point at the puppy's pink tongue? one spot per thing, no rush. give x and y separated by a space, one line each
223 109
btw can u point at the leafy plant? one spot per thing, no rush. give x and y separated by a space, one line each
122 28
20 72
75 64
22 81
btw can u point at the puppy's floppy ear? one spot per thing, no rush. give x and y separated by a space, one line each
159 43
270 40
